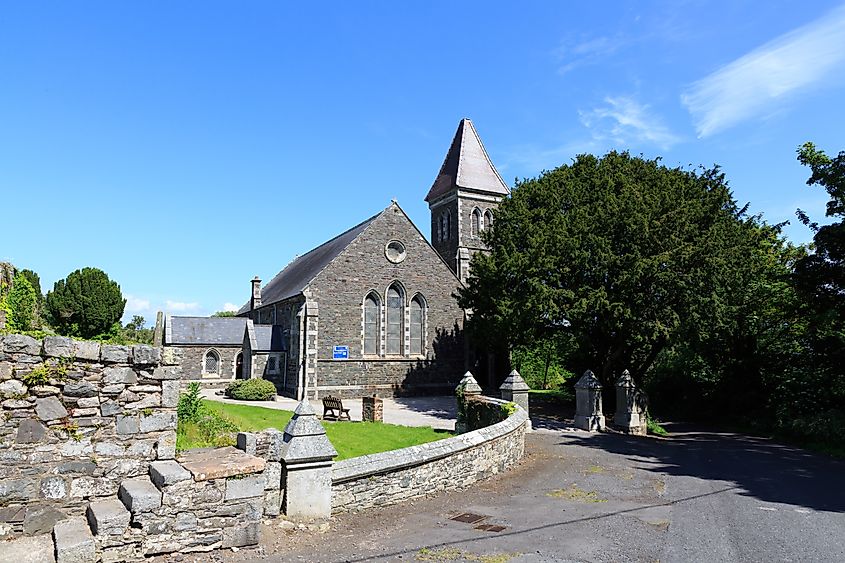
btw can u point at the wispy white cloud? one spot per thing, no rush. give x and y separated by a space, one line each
534 159
572 54
136 304
230 307
625 121
760 81
180 306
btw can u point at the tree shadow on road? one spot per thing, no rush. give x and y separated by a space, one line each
759 467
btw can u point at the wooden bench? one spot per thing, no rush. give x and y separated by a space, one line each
333 409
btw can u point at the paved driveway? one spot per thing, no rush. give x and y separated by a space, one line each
437 412
700 496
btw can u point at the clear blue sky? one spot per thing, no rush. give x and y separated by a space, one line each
186 147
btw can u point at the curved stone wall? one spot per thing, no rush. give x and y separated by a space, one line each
391 477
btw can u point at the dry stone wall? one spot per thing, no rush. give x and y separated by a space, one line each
77 418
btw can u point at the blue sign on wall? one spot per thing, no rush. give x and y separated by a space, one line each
341 353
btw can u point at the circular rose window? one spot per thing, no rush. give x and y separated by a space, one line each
395 251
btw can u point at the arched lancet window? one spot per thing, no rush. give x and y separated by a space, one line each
448 231
417 325
475 221
211 363
371 324
488 219
395 314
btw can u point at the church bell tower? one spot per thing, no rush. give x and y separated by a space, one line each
463 199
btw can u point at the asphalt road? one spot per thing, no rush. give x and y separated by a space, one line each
699 496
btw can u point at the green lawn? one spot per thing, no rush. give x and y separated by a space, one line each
350 439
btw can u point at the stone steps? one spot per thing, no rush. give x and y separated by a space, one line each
74 541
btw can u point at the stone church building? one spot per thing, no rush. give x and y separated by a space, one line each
373 309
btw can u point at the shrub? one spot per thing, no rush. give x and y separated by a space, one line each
251 390
87 303
190 404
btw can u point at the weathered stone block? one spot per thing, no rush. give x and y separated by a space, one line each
165 473
20 344
28 549
185 521
53 488
150 401
80 389
205 465
88 402
44 390
114 354
166 445
139 495
30 432
126 424
16 490
58 347
109 449
119 375
170 393
110 408
145 355
141 448
247 441
5 371
85 350
74 542
273 475
166 372
16 404
94 411
244 487
112 389
50 408
108 517
272 503
12 388
77 467
158 421
170 357
40 519
241 535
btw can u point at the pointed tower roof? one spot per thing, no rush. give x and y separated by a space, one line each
467 166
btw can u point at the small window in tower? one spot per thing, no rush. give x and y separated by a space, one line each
488 219
475 222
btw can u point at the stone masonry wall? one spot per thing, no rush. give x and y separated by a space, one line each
100 414
340 290
193 357
393 477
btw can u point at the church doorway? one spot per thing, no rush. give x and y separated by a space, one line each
239 366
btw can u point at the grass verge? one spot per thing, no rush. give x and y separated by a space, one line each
350 439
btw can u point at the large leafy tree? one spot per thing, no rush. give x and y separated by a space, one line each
618 253
86 303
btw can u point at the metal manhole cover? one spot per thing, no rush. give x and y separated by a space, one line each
490 528
468 518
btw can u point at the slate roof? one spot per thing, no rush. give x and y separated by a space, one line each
269 337
296 275
204 330
467 166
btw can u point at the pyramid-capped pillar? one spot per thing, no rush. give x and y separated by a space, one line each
307 455
467 388
515 389
588 411
629 416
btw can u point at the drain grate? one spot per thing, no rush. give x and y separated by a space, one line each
469 518
490 528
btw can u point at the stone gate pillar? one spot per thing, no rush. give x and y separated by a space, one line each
467 387
307 474
588 414
629 416
515 390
